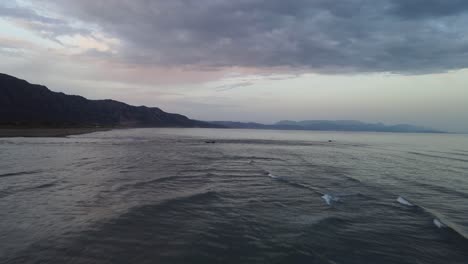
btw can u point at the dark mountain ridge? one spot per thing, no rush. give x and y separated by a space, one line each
31 105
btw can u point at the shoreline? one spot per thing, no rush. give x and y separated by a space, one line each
11 132
47 132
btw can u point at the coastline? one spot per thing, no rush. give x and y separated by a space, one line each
47 132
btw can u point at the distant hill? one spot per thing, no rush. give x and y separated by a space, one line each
30 105
330 125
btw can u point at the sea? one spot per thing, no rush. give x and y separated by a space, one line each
234 196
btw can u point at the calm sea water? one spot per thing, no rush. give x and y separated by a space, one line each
166 196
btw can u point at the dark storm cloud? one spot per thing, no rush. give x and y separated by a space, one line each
407 36
415 9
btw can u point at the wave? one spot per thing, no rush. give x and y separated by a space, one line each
294 183
438 188
251 158
13 191
330 199
200 197
220 171
437 219
438 223
272 176
46 185
403 201
454 153
437 156
195 197
274 142
441 222
19 173
462 150
145 183
432 187
352 178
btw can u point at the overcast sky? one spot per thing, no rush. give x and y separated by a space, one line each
395 61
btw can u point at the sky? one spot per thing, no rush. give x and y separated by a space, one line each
391 61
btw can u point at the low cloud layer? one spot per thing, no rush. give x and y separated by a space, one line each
401 36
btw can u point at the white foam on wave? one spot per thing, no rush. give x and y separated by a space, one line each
330 199
272 176
404 201
438 223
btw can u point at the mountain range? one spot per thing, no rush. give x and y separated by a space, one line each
329 125
23 104
29 105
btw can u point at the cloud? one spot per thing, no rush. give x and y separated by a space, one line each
26 14
416 9
227 87
89 44
400 36
13 43
46 26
